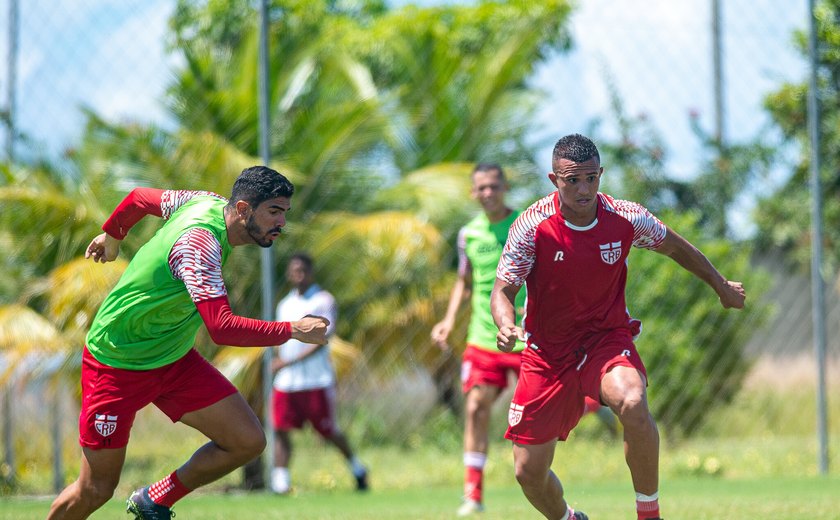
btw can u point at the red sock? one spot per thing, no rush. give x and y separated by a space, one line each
168 490
472 483
647 510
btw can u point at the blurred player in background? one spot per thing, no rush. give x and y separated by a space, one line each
570 249
484 370
139 349
304 381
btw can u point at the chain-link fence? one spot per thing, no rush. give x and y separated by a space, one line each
70 62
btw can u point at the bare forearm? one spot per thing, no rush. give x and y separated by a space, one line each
731 294
697 264
502 306
459 293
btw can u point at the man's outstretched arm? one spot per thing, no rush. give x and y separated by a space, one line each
196 259
731 294
136 205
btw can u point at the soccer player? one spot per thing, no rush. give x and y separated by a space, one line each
304 381
570 250
139 349
484 370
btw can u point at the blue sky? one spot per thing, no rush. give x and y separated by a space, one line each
110 55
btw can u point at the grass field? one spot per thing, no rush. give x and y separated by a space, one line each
753 460
759 478
683 499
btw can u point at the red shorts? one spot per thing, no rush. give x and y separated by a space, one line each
112 396
293 409
483 367
549 399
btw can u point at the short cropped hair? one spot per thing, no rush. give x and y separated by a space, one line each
258 184
576 148
303 258
489 167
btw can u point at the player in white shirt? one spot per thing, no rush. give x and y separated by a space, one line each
304 380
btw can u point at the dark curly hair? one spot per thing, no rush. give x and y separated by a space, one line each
258 184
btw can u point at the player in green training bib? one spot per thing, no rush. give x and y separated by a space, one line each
484 369
139 349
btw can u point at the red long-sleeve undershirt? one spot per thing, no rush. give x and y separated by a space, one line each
226 328
136 205
197 251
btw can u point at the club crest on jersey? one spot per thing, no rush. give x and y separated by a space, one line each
105 424
610 252
515 414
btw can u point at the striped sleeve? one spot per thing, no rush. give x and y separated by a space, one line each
519 252
648 231
196 259
171 200
147 201
463 260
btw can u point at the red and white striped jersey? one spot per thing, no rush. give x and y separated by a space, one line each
575 276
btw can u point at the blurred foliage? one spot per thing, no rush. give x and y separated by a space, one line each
784 218
693 348
377 115
368 105
728 170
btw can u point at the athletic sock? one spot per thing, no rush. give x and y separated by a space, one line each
474 462
647 506
357 467
569 513
281 481
168 490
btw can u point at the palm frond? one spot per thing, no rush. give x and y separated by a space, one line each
75 290
27 340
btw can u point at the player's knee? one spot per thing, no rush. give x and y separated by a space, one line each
530 475
248 445
633 411
95 494
474 409
253 444
478 405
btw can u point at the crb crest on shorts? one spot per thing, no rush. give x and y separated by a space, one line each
105 424
611 252
515 414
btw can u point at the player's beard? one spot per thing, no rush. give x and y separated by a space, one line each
260 236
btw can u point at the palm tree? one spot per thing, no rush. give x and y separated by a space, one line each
376 116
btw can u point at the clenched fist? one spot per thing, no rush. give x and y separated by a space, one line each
310 329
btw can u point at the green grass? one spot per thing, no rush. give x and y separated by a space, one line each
682 498
754 460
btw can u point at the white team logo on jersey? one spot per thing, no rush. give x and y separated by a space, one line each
515 414
610 252
105 424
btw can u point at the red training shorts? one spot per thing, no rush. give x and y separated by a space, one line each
293 409
483 367
549 400
112 396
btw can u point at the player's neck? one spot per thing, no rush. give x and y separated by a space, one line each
579 218
230 223
498 216
302 288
